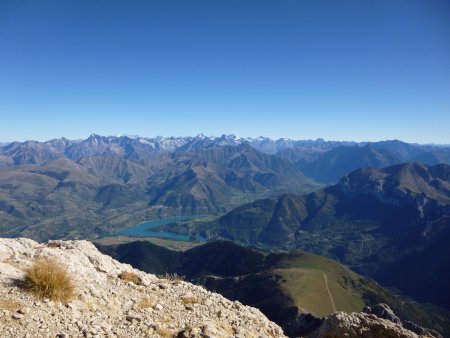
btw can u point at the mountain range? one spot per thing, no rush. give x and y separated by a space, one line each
88 188
325 161
141 149
64 189
381 222
329 166
386 214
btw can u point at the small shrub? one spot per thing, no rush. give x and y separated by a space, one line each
48 278
53 244
130 277
173 277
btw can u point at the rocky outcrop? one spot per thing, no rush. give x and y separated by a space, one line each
361 324
378 321
383 311
107 306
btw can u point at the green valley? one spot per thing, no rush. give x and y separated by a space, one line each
380 222
282 285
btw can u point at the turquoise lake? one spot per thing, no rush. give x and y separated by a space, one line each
142 229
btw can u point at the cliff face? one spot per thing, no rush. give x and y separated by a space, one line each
106 305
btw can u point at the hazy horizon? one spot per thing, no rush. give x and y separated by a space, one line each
218 136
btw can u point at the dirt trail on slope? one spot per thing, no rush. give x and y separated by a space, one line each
329 293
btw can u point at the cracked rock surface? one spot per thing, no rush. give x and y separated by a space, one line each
107 306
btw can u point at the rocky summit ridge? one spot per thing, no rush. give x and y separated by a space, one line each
106 305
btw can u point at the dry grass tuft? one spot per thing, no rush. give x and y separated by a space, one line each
189 300
48 278
164 333
130 277
147 302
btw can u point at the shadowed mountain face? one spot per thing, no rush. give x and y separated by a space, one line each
330 166
282 285
97 186
382 222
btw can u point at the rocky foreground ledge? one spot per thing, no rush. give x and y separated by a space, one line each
106 305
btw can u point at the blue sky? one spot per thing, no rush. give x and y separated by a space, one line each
341 70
